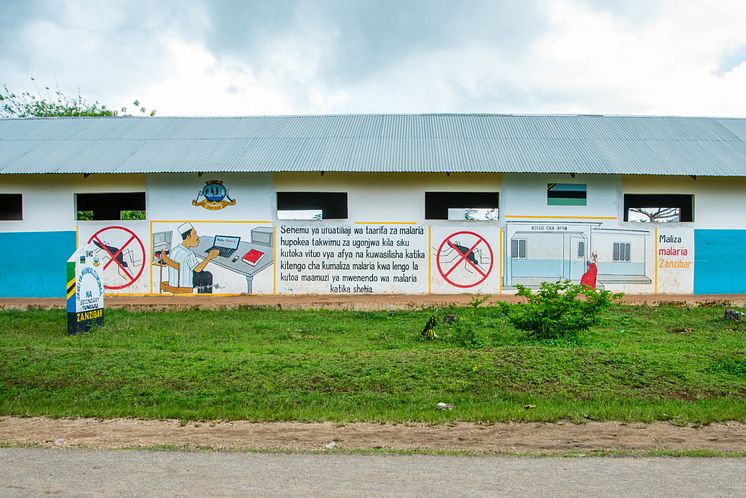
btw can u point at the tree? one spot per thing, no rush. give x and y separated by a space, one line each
659 214
28 104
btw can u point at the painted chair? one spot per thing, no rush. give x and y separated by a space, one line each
166 287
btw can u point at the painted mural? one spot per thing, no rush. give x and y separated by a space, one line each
341 258
628 258
119 247
191 257
540 251
216 257
466 258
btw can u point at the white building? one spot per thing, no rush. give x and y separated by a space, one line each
375 203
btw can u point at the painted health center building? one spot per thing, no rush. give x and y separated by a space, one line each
374 204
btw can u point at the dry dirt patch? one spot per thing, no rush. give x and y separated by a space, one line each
373 302
467 437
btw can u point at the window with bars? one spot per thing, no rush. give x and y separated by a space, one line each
518 248
622 252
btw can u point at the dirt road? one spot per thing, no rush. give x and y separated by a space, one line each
467 437
348 302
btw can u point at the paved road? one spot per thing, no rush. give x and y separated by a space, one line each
75 472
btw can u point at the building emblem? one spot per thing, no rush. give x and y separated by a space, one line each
215 196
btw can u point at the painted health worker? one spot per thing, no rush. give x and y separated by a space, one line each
184 271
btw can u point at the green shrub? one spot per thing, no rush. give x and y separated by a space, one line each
558 310
469 323
464 327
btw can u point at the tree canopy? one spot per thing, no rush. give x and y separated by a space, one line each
53 103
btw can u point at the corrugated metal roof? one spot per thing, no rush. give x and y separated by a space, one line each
377 143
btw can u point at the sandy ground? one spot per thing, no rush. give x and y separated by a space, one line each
348 302
466 437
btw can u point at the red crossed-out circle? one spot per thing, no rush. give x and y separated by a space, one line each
463 256
113 255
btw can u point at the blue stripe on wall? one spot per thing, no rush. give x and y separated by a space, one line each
719 261
33 264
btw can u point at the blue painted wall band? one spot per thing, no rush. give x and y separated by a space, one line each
34 264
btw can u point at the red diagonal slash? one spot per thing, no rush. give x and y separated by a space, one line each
483 274
114 256
464 257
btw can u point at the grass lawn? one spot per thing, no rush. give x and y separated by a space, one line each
639 364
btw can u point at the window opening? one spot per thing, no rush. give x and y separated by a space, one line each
311 205
658 208
110 206
567 194
471 206
622 251
11 207
518 248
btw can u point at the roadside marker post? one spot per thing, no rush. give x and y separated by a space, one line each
85 291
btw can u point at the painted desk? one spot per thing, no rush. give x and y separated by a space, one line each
238 266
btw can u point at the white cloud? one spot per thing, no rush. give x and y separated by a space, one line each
665 66
583 59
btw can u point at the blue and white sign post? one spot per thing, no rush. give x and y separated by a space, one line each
85 291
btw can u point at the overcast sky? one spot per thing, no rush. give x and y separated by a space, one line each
242 57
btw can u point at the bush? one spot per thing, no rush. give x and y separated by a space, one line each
460 326
558 310
469 323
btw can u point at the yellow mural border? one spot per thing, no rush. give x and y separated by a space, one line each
255 222
274 263
386 223
655 262
534 217
429 259
500 285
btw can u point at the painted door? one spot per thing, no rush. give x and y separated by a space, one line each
578 256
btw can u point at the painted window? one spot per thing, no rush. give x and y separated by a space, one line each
11 207
518 248
471 206
110 206
311 205
622 252
567 194
581 249
658 208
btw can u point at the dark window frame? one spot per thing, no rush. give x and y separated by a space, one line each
333 205
622 252
108 206
11 207
515 248
437 204
685 203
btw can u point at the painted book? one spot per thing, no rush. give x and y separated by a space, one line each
253 257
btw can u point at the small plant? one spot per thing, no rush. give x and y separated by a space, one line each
460 326
468 324
429 331
558 310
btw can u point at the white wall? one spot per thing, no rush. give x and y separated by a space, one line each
49 200
525 195
170 197
718 202
386 197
